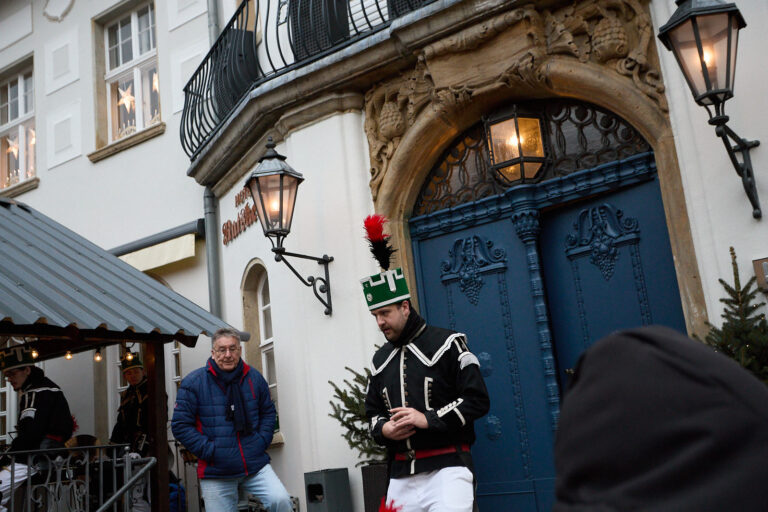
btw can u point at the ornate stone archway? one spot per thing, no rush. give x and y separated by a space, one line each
600 51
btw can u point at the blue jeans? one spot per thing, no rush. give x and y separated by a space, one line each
222 494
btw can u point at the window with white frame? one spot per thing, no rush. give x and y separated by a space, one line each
267 341
5 418
133 92
176 366
17 128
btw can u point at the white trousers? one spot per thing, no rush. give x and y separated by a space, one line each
20 473
445 490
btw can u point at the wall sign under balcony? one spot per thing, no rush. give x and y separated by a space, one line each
246 217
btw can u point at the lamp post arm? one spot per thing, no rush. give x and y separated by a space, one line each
321 286
733 145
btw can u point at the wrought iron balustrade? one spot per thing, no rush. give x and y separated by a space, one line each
266 38
77 479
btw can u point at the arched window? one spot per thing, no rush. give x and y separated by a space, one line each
259 352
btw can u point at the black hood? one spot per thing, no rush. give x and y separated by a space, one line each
656 421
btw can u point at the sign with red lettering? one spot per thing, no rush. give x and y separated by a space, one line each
246 217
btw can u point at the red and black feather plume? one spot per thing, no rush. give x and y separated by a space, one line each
377 240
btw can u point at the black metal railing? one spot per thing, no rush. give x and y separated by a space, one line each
266 38
78 479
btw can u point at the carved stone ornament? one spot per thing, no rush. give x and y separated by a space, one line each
57 10
510 50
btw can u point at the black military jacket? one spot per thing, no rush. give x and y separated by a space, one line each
43 413
435 373
132 421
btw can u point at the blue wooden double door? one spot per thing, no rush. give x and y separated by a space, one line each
533 277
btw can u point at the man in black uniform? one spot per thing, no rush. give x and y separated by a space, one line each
44 420
44 417
132 421
424 394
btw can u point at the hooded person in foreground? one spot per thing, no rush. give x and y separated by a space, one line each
656 421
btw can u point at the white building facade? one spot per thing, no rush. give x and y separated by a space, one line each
92 107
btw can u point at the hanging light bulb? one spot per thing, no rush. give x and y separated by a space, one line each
97 355
129 356
35 354
68 355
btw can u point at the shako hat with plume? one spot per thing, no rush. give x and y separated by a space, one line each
389 286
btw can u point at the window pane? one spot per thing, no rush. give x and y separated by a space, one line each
145 35
3 426
10 149
267 317
177 364
113 47
273 393
3 400
150 96
3 104
29 93
31 137
123 108
265 293
125 40
269 367
13 100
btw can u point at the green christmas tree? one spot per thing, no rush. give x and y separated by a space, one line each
349 410
744 333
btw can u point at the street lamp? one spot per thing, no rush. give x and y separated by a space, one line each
704 35
273 186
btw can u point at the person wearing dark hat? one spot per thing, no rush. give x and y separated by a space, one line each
132 425
655 421
44 417
424 393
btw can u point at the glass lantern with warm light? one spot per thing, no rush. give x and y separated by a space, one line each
516 147
703 35
273 186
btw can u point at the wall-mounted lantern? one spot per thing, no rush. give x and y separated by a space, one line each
704 35
273 186
516 146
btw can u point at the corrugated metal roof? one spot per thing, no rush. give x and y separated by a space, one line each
51 276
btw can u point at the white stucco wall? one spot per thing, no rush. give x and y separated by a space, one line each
312 348
720 213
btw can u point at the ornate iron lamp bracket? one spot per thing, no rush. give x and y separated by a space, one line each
736 145
321 286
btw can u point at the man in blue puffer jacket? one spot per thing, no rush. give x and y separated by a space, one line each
225 416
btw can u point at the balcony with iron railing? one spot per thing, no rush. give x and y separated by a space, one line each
266 39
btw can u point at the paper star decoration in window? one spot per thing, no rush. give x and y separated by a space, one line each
13 147
126 98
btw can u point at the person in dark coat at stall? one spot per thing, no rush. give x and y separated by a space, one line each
132 425
424 393
655 421
225 416
44 420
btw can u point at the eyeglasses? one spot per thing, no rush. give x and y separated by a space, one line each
223 350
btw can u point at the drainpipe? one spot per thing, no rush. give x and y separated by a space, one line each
209 199
212 251
213 21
